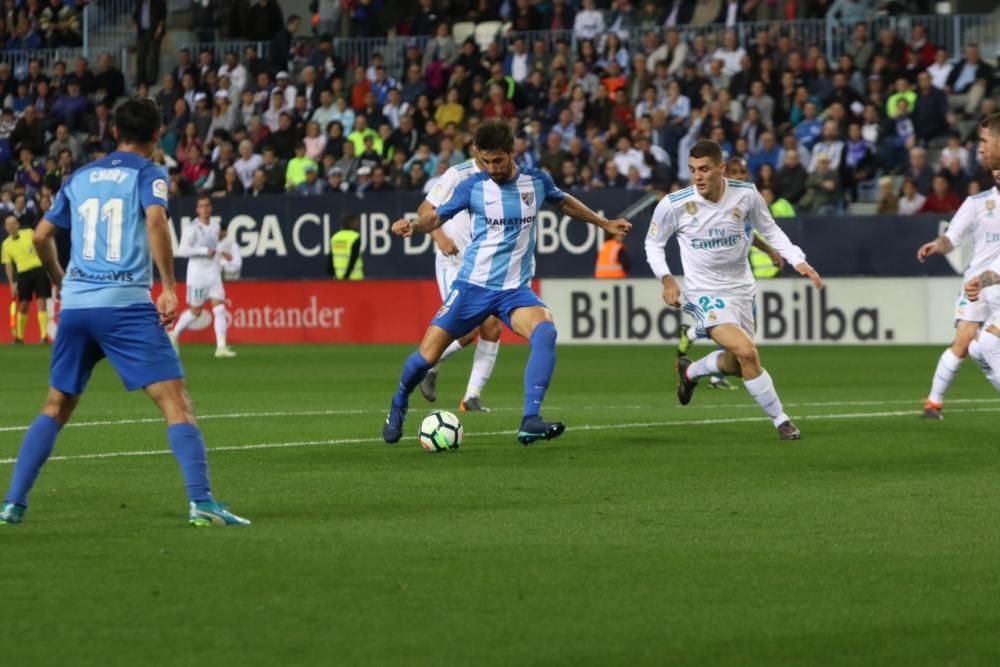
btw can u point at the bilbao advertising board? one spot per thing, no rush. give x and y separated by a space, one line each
789 310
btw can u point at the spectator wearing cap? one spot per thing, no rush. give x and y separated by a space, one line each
364 179
150 21
224 116
335 181
311 184
295 172
283 85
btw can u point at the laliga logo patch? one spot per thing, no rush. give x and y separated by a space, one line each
527 198
691 208
160 188
653 229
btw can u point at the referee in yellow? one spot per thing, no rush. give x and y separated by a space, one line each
18 251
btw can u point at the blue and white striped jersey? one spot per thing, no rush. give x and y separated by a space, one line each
501 254
103 205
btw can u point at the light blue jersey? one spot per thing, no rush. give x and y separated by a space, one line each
104 206
501 254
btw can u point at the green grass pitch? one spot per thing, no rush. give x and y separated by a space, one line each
649 534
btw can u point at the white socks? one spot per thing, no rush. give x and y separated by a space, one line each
707 365
448 351
221 325
762 390
944 375
183 322
482 367
987 356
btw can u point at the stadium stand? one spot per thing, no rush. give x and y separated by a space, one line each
822 98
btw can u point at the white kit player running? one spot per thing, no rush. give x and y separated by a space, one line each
978 217
200 243
714 221
450 242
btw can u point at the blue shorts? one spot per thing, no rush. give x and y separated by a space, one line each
467 306
131 337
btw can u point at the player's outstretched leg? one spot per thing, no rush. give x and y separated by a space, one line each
36 447
183 322
414 370
188 447
689 371
537 376
947 368
221 324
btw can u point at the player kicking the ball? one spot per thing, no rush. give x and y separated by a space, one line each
200 243
714 220
450 242
496 274
116 212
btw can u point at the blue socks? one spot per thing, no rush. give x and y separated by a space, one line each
541 364
35 450
414 370
189 449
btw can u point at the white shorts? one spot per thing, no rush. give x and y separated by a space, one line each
711 310
990 298
197 295
446 273
971 311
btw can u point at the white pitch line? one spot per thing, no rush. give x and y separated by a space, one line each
334 413
584 427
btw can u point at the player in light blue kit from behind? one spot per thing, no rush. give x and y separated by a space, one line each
495 278
116 211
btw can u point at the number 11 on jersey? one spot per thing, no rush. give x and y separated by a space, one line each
113 214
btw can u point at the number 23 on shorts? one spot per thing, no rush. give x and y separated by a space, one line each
708 303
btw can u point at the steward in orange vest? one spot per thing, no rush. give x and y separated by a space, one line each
612 261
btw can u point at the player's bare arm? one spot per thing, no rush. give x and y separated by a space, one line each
163 256
44 241
942 245
575 208
974 287
442 240
671 292
806 269
773 254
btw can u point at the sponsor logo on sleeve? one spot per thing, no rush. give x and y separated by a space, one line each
160 188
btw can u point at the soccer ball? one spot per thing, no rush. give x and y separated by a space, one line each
441 431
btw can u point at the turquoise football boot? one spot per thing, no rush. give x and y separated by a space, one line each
211 513
11 513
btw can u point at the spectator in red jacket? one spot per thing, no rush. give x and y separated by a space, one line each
920 44
941 199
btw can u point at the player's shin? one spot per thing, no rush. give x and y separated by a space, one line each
483 362
541 365
707 365
221 324
988 346
35 450
456 346
414 370
22 325
188 447
976 354
763 391
945 373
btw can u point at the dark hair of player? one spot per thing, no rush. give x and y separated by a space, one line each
137 121
205 197
709 149
494 135
992 124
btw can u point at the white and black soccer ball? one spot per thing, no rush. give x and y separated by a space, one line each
441 431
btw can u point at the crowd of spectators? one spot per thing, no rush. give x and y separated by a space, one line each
36 24
617 105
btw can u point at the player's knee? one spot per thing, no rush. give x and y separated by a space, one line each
544 335
747 355
491 330
60 406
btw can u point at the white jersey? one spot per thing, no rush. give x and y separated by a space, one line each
229 268
196 241
978 218
459 228
715 237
